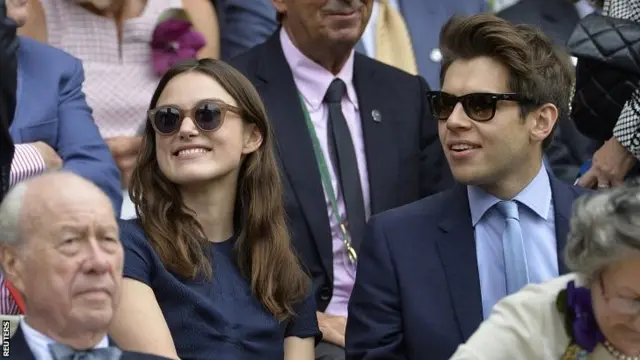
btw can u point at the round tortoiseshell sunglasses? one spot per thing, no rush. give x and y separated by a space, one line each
208 115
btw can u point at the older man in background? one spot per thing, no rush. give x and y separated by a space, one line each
61 251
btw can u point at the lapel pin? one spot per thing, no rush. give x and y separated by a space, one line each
377 117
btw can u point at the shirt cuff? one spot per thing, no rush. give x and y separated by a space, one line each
27 162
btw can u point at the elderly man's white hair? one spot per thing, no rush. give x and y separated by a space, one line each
10 211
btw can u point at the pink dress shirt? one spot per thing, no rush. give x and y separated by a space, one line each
312 81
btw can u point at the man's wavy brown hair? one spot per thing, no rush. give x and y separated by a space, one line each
263 250
538 70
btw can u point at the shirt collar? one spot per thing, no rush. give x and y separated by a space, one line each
536 196
39 342
312 80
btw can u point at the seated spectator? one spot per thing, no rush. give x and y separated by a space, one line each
209 270
591 313
355 137
52 126
61 250
430 271
124 55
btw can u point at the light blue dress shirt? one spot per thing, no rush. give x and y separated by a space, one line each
539 231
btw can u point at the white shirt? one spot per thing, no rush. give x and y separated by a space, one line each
39 343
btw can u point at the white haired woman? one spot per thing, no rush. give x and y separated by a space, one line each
593 313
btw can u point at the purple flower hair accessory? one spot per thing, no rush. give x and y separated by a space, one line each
174 41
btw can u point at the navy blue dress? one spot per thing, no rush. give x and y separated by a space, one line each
218 318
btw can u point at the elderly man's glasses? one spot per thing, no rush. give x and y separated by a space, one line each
477 106
208 115
622 305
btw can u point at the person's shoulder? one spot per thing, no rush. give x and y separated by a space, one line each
576 190
535 309
37 51
130 227
132 234
384 71
417 216
537 300
426 207
526 324
249 59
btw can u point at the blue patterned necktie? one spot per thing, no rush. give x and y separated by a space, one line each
64 352
515 259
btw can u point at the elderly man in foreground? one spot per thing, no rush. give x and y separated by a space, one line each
61 251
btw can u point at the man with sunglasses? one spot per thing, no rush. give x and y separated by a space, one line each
429 272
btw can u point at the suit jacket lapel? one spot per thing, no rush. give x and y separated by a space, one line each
19 348
563 197
294 144
380 146
457 248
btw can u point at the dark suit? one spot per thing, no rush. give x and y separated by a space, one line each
417 295
244 24
404 156
19 349
557 19
8 83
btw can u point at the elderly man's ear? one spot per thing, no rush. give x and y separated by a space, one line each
11 266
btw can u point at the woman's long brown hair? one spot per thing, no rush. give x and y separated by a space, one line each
263 250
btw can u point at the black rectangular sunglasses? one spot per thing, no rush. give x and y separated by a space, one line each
477 106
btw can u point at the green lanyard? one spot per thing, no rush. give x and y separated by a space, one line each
326 182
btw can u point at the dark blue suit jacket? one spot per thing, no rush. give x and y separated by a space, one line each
19 350
417 293
52 108
244 24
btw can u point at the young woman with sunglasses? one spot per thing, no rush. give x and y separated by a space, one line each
209 271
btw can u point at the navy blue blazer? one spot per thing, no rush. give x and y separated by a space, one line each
417 293
52 108
244 24
19 349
